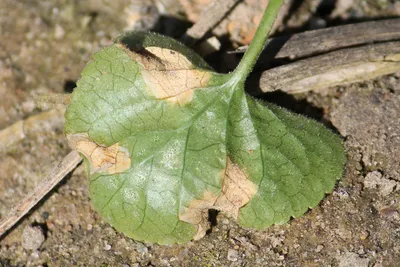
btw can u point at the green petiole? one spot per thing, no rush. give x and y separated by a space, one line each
253 52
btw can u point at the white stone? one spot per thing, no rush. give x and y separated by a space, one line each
32 237
232 255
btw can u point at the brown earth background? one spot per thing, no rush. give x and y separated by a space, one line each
45 44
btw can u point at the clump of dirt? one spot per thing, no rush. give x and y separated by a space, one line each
45 45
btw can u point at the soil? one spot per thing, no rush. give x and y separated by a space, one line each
45 45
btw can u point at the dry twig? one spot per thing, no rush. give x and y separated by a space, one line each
320 41
42 122
335 68
208 20
47 184
344 54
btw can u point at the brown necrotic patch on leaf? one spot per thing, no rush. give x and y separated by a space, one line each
196 213
168 74
112 159
237 190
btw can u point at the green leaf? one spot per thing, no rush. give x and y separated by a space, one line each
165 139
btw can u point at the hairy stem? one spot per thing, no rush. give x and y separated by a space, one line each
257 44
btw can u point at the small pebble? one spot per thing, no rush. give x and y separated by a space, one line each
319 248
364 235
141 248
59 32
28 106
232 255
388 211
107 246
32 237
35 254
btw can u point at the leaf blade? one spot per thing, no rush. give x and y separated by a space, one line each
306 161
217 149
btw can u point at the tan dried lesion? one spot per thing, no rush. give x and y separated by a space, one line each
112 159
169 75
237 191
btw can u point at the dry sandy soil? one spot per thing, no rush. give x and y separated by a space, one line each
45 44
